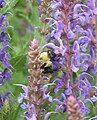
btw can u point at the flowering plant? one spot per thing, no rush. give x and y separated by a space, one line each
5 66
58 40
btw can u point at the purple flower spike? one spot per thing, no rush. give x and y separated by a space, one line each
4 55
5 70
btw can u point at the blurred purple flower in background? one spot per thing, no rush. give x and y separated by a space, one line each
2 3
5 66
4 54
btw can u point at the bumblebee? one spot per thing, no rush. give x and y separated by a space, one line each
44 56
47 65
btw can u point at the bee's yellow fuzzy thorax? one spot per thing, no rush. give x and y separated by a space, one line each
45 58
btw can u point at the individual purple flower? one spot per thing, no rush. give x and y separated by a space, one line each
84 110
56 33
24 95
31 115
75 60
61 101
4 22
70 33
84 84
85 61
68 91
56 49
4 57
5 76
60 82
2 3
46 94
84 42
4 37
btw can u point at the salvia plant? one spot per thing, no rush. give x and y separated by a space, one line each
62 72
35 95
5 66
66 66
